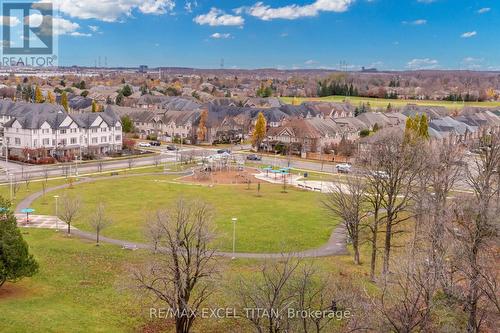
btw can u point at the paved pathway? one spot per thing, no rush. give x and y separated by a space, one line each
334 246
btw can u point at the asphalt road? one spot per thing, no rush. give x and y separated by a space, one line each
19 171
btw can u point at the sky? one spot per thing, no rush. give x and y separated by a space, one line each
297 34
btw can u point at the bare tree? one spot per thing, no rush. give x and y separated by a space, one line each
348 201
99 220
16 186
272 293
100 165
157 160
27 180
69 209
289 295
374 194
130 162
474 230
444 167
405 303
180 275
396 163
154 222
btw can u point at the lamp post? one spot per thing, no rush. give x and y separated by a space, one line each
10 179
57 213
234 220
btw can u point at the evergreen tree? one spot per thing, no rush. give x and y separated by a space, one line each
94 106
126 91
127 124
260 131
15 260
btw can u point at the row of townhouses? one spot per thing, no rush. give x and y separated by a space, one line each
50 131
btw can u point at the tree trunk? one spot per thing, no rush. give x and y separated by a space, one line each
69 228
356 252
373 261
387 247
97 238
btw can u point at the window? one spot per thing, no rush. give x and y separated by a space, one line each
103 139
46 142
73 141
17 141
45 131
63 131
118 128
94 140
64 142
118 138
35 143
54 143
94 130
104 129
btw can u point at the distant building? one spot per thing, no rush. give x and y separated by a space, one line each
50 130
143 69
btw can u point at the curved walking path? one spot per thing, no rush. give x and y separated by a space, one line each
336 245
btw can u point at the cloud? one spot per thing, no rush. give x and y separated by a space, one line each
94 28
484 10
294 11
60 26
9 21
426 1
425 63
416 22
472 63
219 35
190 5
216 17
112 10
310 62
469 34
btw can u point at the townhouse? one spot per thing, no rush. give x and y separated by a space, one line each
51 131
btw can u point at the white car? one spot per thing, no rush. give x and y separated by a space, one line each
344 168
144 144
380 174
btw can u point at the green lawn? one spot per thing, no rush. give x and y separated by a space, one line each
84 288
76 289
273 222
382 103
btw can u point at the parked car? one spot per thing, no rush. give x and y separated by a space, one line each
222 151
254 157
155 143
380 174
144 144
172 148
344 168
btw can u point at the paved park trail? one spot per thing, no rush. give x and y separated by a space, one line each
336 245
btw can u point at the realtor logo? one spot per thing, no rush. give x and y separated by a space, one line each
28 34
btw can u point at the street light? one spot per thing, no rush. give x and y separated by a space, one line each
10 178
57 213
234 220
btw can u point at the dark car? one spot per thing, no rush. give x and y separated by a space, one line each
155 143
171 147
222 151
254 157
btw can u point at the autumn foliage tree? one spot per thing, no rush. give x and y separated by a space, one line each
64 101
38 95
260 131
202 127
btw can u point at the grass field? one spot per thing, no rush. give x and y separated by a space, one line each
84 288
271 222
76 289
382 103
